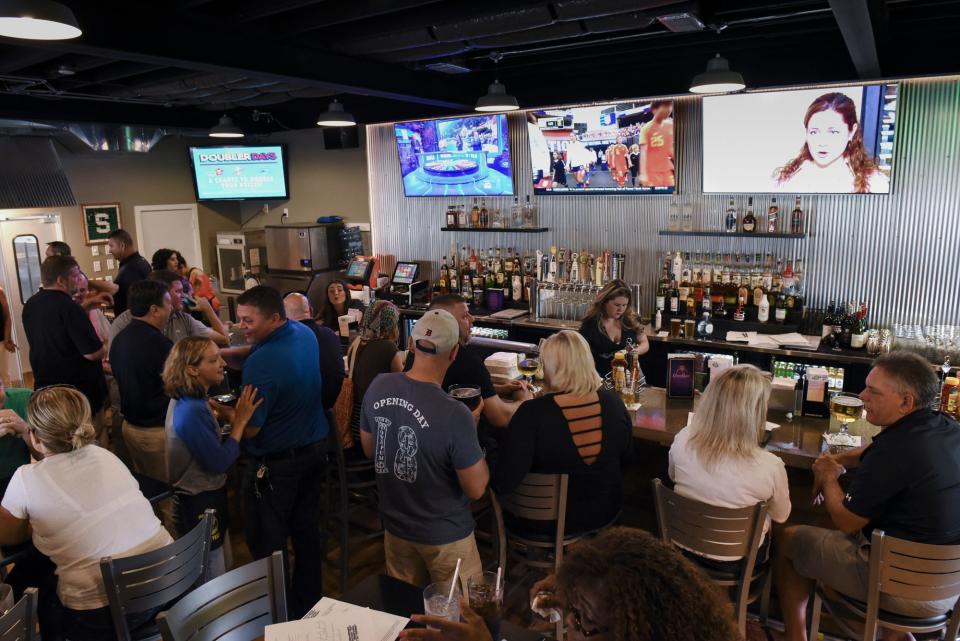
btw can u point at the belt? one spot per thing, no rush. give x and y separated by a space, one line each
294 452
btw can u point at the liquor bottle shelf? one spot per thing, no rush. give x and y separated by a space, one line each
505 230
725 234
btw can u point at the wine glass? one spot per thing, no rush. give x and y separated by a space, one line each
528 364
846 408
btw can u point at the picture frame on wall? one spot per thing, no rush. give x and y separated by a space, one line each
99 221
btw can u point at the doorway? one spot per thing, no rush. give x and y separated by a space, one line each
172 227
23 241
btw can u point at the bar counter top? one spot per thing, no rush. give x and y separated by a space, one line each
798 440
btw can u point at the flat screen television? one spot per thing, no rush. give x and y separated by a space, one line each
836 140
465 156
617 148
240 172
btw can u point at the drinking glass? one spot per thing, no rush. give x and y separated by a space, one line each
469 395
486 599
435 602
846 408
528 364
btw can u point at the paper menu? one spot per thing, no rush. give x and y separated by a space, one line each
340 621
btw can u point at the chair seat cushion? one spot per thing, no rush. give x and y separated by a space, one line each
860 608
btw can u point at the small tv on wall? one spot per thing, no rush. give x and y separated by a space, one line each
240 172
616 148
464 156
836 140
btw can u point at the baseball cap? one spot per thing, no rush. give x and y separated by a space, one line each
437 332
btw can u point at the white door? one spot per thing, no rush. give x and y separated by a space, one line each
23 241
171 227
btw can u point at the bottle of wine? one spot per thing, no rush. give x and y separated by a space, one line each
780 311
796 219
674 298
749 220
663 288
827 327
444 271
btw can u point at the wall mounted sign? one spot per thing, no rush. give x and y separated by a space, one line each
99 221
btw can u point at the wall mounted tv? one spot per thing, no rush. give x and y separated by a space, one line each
466 156
240 172
836 140
622 148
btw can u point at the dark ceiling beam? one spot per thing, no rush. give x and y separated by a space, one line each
853 18
343 13
214 54
19 59
258 10
112 73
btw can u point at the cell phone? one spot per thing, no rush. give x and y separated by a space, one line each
189 302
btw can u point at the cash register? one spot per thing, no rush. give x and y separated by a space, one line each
405 289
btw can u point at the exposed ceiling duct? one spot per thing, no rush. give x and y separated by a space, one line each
97 136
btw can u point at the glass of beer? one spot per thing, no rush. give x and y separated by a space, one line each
486 599
467 394
528 365
846 408
676 325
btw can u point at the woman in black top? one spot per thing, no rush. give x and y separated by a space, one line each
634 163
336 303
575 429
559 169
610 324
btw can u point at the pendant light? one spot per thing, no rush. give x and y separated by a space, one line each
717 78
226 129
37 20
497 98
335 116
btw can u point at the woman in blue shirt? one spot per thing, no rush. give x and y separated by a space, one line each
198 457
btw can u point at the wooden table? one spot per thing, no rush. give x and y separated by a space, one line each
798 440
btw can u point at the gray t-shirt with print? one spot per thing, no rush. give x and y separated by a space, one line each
421 438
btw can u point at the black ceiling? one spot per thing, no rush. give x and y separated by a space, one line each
183 62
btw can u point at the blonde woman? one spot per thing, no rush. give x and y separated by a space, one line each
197 456
80 503
611 325
717 458
575 428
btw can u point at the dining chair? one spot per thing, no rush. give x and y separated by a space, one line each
19 623
236 606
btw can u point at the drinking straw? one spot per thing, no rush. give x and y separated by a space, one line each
496 587
453 582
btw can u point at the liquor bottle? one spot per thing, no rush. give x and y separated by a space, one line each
484 214
749 220
498 275
847 327
780 311
452 216
698 289
739 314
516 213
462 219
685 282
827 327
773 217
686 274
677 267
766 277
796 219
466 289
475 214
759 294
763 310
663 287
674 298
473 263
707 304
453 277
705 326
788 280
517 280
691 306
444 289
717 269
730 223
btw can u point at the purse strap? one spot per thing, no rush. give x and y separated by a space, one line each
352 357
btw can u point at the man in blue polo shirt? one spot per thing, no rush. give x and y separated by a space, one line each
286 458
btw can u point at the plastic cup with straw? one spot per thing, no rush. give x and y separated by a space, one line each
443 600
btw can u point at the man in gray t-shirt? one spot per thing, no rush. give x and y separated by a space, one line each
427 459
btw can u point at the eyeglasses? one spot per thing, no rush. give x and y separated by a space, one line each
578 624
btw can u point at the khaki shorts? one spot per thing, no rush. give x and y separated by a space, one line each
842 562
420 564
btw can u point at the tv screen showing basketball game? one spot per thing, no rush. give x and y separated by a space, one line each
622 148
465 156
836 140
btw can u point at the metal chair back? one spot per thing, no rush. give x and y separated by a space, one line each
715 531
20 622
147 581
235 606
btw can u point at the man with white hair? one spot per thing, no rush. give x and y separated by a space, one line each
427 459
298 308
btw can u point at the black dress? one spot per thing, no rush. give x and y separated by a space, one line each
634 164
559 172
602 347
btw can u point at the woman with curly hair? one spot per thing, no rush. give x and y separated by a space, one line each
832 159
624 585
610 324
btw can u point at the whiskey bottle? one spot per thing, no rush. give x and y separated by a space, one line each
796 219
749 220
773 217
730 223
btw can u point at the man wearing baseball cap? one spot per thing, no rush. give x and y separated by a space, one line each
427 458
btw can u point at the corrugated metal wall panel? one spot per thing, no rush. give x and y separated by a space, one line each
31 175
900 253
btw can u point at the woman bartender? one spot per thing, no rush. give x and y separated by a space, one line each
610 324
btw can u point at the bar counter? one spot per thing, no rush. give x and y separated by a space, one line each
797 440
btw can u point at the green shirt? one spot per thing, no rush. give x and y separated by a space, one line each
13 451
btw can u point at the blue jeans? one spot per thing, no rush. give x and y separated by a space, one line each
286 503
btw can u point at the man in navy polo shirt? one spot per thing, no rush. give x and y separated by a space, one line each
286 458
